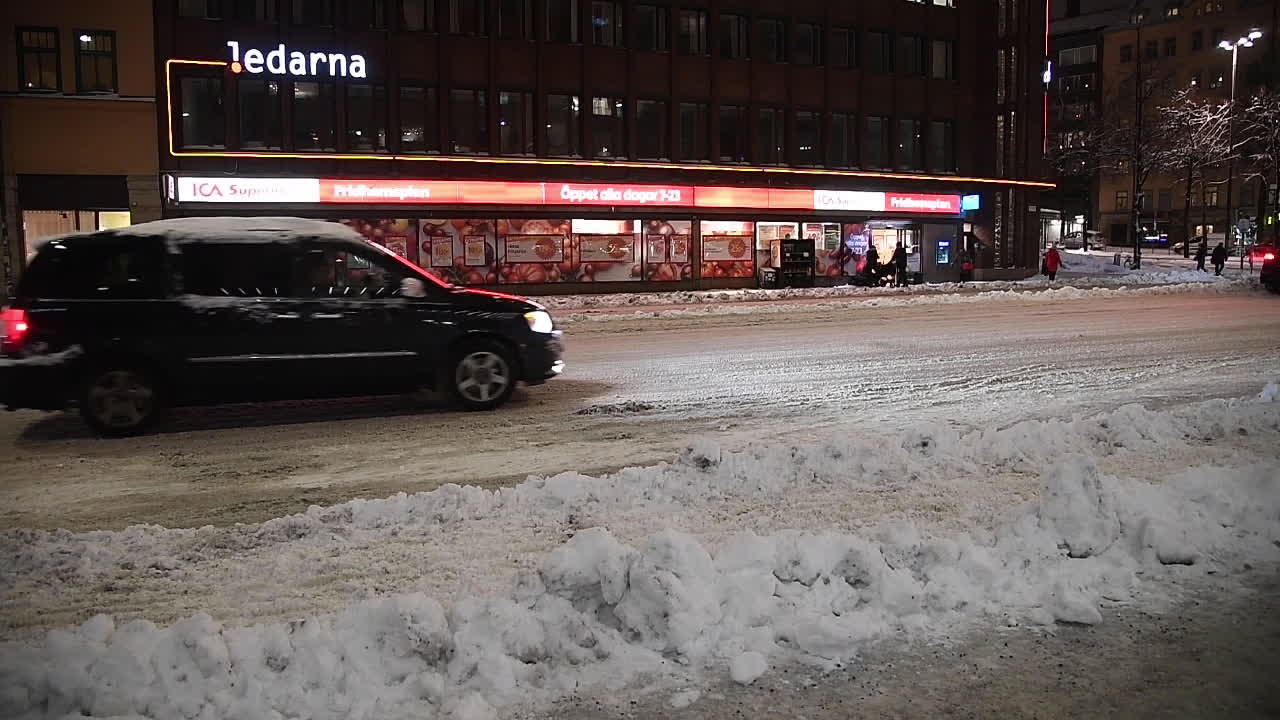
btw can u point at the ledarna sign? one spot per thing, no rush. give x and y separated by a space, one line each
282 61
332 191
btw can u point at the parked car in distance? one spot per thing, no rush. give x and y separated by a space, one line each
126 323
1075 240
1269 276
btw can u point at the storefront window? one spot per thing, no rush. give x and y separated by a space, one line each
260 114
469 122
608 135
313 116
203 123
693 132
418 112
562 128
515 123
608 250
666 246
651 130
537 251
733 133
727 249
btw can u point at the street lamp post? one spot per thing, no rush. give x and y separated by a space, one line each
1234 49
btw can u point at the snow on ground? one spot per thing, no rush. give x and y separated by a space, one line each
600 612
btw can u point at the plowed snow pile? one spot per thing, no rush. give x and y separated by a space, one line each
600 611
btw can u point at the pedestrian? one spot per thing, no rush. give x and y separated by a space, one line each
1219 258
1202 253
967 268
1052 262
899 263
873 263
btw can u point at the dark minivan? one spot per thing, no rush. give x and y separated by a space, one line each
125 323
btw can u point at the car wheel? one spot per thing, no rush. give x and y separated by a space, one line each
119 402
482 376
1274 287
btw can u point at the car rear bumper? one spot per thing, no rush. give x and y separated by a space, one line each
543 358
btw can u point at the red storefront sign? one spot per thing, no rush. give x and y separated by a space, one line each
630 195
900 202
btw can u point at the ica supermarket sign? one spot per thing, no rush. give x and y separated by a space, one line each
282 61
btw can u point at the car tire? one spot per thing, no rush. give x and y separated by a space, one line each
481 375
120 401
1274 287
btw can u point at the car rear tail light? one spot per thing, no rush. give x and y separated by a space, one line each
17 325
1269 256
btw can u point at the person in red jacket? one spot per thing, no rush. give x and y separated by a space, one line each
1052 262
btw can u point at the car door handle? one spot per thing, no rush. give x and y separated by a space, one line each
284 316
328 316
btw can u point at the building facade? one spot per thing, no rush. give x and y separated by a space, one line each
561 144
77 121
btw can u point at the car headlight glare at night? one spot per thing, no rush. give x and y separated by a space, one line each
539 321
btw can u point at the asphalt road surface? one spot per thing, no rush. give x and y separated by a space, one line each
637 389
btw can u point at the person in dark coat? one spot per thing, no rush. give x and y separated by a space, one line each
873 262
1202 253
1219 259
899 263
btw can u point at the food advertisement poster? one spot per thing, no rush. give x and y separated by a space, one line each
679 249
395 235
667 250
535 248
442 251
733 248
398 244
445 246
516 271
476 255
606 248
728 249
655 250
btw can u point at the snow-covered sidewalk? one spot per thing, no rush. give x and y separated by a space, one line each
601 609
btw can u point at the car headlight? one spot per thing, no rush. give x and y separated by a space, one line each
539 321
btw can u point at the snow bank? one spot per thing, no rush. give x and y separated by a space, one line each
600 610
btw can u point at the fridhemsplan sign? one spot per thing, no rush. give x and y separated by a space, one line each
282 61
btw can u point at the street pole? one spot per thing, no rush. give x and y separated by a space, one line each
1135 170
1231 147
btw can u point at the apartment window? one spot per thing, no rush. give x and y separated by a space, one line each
260 122
844 48
469 17
203 123
1164 200
942 146
651 130
1195 79
367 118
1078 56
1170 47
95 61
808 136
419 113
773 39
911 55
875 143
1211 196
417 15
693 32
910 145
770 134
808 44
735 37
469 122
733 134
839 141
694 124
1150 50
562 21
312 12
314 114
652 31
1197 40
515 123
515 19
367 14
38 58
608 128
1069 84
198 9
879 52
563 126
606 23
1122 199
942 65
258 11
1217 79
1126 53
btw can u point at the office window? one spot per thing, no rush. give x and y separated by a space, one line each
199 9
367 14
562 21
733 134
563 127
694 125
651 130
1078 56
314 114
419 120
260 122
469 17
941 65
808 44
1126 53
770 133
608 128
367 118
1122 199
910 145
840 141
942 146
844 48
773 40
879 52
258 11
312 12
808 137
875 143
469 122
652 28
1197 40
606 23
1170 47
911 55
95 61
693 32
1210 196
418 15
515 19
203 123
38 59
515 123
735 37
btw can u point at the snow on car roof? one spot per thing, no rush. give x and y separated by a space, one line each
249 229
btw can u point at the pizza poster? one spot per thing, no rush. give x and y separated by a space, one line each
398 244
474 249
606 248
726 247
535 248
657 248
442 251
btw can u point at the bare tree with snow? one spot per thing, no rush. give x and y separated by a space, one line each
1260 131
1195 136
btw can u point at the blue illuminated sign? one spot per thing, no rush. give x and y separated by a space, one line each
970 202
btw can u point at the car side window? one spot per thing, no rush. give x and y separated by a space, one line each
238 269
98 268
339 272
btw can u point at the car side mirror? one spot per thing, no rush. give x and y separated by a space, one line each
413 287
